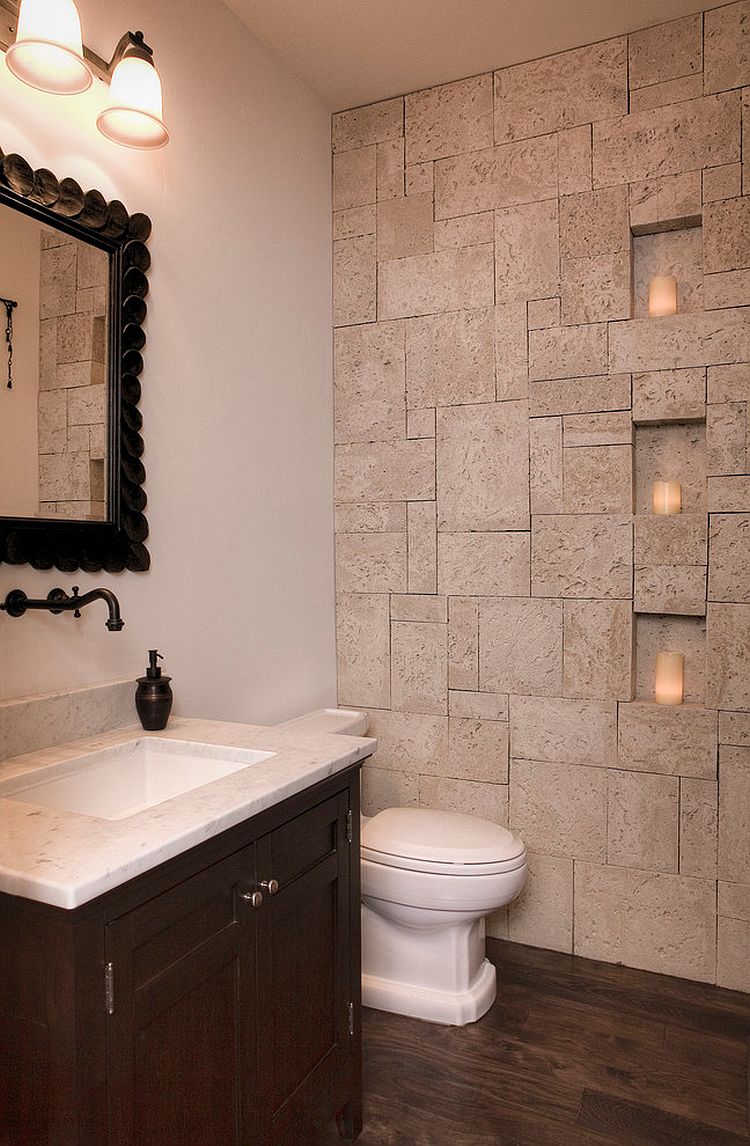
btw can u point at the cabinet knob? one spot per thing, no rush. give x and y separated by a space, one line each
254 897
270 885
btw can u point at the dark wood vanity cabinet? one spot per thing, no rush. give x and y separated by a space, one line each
214 1000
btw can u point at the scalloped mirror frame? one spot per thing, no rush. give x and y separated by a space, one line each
118 542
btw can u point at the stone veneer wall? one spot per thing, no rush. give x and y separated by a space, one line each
503 405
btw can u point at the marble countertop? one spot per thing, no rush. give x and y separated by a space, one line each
66 859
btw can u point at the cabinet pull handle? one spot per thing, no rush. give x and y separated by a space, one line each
254 897
270 885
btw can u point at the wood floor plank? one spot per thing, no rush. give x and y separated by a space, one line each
632 1122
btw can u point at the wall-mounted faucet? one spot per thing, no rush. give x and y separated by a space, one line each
58 601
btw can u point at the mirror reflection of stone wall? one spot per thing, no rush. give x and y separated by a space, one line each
73 295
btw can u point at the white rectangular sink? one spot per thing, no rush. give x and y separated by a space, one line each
117 782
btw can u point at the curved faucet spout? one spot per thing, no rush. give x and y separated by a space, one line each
57 601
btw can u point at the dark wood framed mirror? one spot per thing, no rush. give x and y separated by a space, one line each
73 284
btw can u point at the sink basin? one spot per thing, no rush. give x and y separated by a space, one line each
117 782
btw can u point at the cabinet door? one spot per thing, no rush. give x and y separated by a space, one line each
304 950
182 1048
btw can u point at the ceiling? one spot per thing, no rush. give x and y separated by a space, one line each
352 52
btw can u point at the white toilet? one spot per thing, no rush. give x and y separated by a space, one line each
429 878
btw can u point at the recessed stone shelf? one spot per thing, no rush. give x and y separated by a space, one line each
682 634
678 253
673 452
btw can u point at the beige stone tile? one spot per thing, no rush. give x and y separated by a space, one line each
733 954
669 92
477 750
384 788
542 915
563 731
427 284
724 182
409 741
527 251
371 124
726 289
545 461
419 607
520 646
404 227
420 178
52 420
643 821
613 429
734 814
581 556
468 231
76 338
363 646
678 253
673 452
594 223
734 728
354 221
670 589
686 634
734 901
58 282
371 562
598 650
385 471
665 51
377 517
669 395
511 352
422 546
354 178
674 540
478 705
728 494
745 142
679 341
698 827
652 920
727 47
596 289
543 312
487 564
483 467
64 477
574 159
472 798
668 140
449 119
726 235
450 358
463 643
568 351
370 383
560 809
666 202
674 740
726 438
420 423
523 172
419 667
580 395
727 656
390 173
729 567
598 479
561 91
354 280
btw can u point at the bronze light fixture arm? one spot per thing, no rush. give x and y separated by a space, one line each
57 601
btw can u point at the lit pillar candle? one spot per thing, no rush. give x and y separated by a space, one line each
662 296
667 497
669 673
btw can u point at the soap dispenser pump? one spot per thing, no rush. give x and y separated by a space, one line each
153 697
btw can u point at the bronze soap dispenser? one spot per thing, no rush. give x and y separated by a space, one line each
153 697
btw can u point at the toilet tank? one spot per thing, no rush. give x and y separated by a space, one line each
344 720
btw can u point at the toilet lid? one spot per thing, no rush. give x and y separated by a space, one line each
441 837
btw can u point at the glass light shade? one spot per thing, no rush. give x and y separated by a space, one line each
667 497
669 674
133 116
47 52
662 296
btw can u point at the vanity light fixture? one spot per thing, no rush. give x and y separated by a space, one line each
47 53
662 296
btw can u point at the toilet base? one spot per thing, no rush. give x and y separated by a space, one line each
452 1008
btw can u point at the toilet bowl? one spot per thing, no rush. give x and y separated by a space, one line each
429 878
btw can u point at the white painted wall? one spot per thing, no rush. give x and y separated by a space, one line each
237 386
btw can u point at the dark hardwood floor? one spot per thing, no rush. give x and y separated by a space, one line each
573 1053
